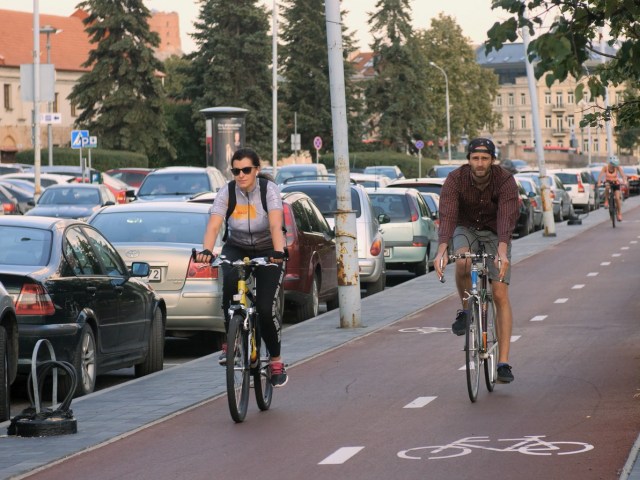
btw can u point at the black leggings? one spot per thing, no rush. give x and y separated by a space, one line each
268 282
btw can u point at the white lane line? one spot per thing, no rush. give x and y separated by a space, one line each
633 241
420 402
515 338
561 300
624 248
464 367
605 263
577 287
616 255
539 318
340 456
592 274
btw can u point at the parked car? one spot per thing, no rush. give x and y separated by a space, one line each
624 188
72 288
123 192
131 176
433 202
536 200
6 168
514 166
559 196
9 350
22 196
423 185
306 171
69 170
75 201
46 179
177 184
23 184
10 204
525 223
367 180
633 179
441 171
409 232
162 234
596 190
576 182
369 240
393 172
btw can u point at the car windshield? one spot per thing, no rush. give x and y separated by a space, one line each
24 246
442 172
324 196
527 184
429 188
368 183
393 204
285 174
7 170
174 184
130 178
630 170
433 206
386 171
70 196
152 227
519 163
568 178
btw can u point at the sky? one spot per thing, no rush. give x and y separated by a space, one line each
474 16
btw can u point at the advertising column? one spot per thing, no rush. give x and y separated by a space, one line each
225 135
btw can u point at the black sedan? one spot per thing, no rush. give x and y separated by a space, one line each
525 223
72 201
71 287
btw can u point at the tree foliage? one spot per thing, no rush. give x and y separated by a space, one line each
305 67
572 39
231 66
175 78
121 97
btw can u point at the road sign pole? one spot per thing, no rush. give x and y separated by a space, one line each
36 96
420 163
275 89
295 136
346 240
89 164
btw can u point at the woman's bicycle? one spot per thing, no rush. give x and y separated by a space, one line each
246 353
613 205
481 340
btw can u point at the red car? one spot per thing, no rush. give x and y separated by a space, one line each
311 276
131 176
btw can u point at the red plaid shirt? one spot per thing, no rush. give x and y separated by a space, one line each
495 208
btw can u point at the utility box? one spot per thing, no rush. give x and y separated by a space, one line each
225 135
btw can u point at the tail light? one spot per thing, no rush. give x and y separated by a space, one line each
376 247
34 300
413 208
534 204
519 201
418 244
580 187
201 270
9 208
121 196
289 224
553 195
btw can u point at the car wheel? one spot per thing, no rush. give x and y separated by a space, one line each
377 286
422 267
309 309
5 387
560 216
153 362
85 363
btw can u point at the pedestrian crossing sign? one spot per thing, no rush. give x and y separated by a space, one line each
77 138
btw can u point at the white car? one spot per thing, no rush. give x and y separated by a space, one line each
368 180
578 185
46 179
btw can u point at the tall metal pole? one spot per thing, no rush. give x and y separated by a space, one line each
446 84
419 163
545 182
606 97
36 96
49 129
295 137
275 88
346 244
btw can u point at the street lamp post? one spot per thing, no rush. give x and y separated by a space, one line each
446 83
48 29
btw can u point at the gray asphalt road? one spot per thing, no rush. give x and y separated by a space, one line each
366 410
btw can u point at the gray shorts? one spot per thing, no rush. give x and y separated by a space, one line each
464 237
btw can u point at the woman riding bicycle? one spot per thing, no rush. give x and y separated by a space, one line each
611 171
253 232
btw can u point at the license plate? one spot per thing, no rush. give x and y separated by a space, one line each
387 252
155 274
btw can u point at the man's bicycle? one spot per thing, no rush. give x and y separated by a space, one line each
246 353
481 340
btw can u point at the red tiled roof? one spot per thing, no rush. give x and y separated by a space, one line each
363 64
69 48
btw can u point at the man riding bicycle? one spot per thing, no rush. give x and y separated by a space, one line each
252 231
479 203
611 172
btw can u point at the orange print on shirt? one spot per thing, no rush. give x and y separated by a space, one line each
242 212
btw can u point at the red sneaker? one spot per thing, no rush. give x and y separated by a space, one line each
222 360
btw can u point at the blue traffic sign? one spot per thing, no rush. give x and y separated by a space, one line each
317 142
419 144
78 138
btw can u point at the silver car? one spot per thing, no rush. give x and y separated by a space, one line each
177 184
373 273
9 344
162 234
559 196
536 201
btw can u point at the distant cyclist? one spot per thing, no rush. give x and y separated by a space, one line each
612 173
479 203
253 231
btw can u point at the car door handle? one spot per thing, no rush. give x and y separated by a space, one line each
118 288
92 290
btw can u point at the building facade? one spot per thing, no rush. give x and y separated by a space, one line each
167 25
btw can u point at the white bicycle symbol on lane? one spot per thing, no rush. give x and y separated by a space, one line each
529 445
424 330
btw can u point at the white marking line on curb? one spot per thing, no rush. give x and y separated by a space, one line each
577 287
616 255
624 248
539 318
340 456
592 274
515 337
464 367
605 263
561 300
420 402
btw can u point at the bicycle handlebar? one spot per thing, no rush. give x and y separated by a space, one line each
469 255
218 260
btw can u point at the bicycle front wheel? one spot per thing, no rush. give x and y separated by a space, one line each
472 349
491 363
262 377
237 369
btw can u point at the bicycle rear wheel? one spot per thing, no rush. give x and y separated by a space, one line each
491 363
612 210
262 377
237 369
472 349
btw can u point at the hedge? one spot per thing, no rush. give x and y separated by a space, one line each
102 160
408 164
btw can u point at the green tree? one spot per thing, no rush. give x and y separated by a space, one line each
571 40
121 97
231 66
471 87
305 66
175 78
395 97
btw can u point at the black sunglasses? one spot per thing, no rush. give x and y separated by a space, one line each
245 170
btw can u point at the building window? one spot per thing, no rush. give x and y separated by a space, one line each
499 100
55 104
594 145
547 98
585 145
7 97
167 24
559 124
523 99
560 143
499 142
547 143
570 121
606 145
511 102
617 98
570 98
74 113
167 34
523 142
547 121
559 99
523 122
512 123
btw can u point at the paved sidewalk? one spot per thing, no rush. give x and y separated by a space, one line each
119 410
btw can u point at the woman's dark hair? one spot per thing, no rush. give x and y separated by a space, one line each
246 153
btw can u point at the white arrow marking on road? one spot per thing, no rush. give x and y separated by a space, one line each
561 300
340 456
539 318
624 248
592 274
420 402
515 337
605 263
615 255
577 287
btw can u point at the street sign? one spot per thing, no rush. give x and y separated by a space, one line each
317 142
93 142
419 144
50 118
295 142
47 82
77 138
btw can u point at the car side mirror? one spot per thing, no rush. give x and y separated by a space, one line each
130 194
139 269
329 235
383 218
532 194
31 202
108 203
